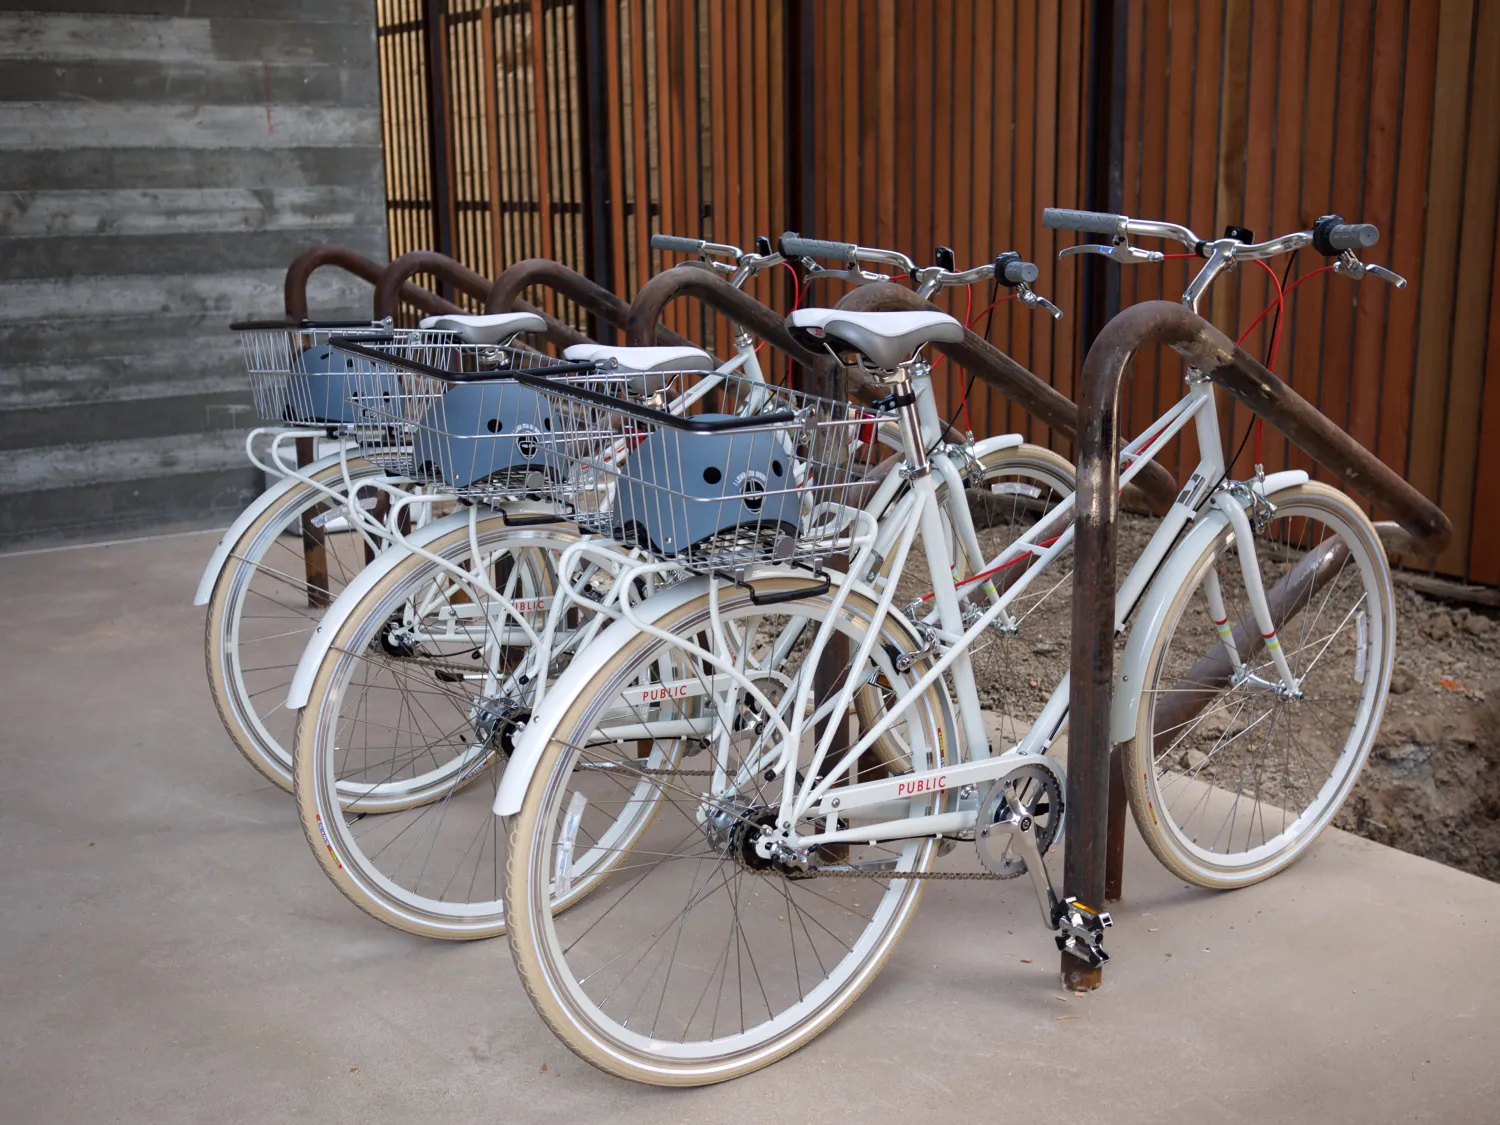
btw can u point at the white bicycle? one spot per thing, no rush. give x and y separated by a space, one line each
426 669
723 813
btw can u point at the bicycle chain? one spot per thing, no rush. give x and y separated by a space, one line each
897 876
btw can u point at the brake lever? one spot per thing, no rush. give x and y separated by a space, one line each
1034 300
1120 251
856 274
1351 267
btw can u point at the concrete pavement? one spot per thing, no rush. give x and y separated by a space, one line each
169 951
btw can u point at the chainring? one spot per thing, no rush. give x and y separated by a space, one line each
1035 789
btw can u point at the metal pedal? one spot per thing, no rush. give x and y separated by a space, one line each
1080 931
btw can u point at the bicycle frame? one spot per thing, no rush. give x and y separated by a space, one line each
917 515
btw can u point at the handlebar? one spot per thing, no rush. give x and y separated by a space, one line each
1009 268
793 245
1330 236
737 269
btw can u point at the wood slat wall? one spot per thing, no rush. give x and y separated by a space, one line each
953 122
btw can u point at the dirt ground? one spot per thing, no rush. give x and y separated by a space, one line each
1432 784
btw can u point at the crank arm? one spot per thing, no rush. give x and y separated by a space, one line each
1080 929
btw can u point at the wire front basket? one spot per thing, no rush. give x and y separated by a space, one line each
712 471
298 378
454 418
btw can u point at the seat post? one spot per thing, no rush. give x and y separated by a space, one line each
904 399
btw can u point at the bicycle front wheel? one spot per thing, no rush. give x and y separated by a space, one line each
1230 775
653 937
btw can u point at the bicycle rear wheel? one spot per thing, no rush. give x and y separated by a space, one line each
1229 777
648 931
262 612
409 723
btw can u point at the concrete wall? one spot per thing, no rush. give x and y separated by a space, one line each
160 164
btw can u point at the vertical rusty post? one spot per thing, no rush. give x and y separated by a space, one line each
1096 507
314 538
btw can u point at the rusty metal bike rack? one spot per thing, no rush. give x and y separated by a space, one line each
1094 851
593 298
294 289
393 284
690 279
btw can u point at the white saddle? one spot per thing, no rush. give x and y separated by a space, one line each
491 328
886 338
641 360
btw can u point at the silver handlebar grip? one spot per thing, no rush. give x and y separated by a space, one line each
1353 236
1090 222
795 246
677 244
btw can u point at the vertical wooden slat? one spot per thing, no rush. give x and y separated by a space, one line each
638 133
1025 206
1286 200
996 411
1445 184
759 129
616 146
891 204
540 140
1350 167
1471 299
1408 233
1130 279
718 62
823 85
849 227
1382 133
1068 185
1484 546
1044 179
1230 65
1152 203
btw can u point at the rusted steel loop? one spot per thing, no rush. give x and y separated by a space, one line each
743 310
476 285
980 357
1094 547
504 296
294 289
1239 373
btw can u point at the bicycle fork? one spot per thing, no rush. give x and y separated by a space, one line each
1260 608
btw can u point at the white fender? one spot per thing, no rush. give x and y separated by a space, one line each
349 596
994 444
1151 616
527 755
258 507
